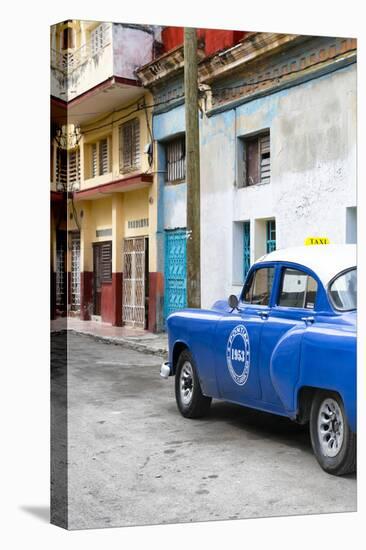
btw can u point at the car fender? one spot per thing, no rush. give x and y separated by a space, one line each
196 329
328 361
285 365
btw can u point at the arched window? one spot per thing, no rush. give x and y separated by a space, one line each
68 38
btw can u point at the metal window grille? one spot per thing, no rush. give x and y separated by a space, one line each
94 163
246 227
130 145
98 39
133 304
75 271
103 157
271 236
176 159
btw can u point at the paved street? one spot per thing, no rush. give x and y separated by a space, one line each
133 459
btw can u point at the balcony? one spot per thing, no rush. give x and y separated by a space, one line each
99 75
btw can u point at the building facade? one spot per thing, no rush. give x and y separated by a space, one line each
164 76
104 200
277 150
277 115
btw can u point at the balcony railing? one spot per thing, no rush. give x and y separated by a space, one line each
69 61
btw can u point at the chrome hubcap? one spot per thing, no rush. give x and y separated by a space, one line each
186 383
330 427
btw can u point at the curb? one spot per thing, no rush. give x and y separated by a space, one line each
124 342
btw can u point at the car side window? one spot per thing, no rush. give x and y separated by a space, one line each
258 289
298 289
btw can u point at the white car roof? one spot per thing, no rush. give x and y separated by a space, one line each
325 260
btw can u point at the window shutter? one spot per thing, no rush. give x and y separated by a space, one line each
97 39
74 169
61 169
106 262
130 149
103 156
265 159
94 160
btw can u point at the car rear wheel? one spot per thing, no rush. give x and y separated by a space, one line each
190 400
334 444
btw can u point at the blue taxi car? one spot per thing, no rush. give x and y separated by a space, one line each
285 345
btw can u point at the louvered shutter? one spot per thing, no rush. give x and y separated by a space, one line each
73 169
103 156
98 39
130 145
94 164
61 169
106 262
265 159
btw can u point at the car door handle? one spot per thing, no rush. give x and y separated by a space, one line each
263 314
308 320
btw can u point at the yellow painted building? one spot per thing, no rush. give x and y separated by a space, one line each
103 193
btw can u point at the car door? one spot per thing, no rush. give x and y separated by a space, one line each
293 304
237 340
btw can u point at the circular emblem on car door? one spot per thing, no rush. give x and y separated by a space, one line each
238 355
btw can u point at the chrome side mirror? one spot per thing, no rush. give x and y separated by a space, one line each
233 302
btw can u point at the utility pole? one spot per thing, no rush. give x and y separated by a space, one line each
192 169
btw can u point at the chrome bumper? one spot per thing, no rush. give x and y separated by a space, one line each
165 370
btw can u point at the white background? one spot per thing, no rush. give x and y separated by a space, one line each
24 273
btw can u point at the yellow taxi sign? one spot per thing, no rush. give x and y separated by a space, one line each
316 240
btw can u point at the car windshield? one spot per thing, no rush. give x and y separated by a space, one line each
343 290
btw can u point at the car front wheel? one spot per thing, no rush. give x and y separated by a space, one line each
190 400
333 442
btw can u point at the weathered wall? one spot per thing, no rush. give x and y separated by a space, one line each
132 48
313 173
96 131
124 50
172 203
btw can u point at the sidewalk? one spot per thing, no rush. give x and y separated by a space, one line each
132 338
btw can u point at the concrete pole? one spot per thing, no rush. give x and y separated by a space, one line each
192 169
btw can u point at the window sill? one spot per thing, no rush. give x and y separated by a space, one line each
129 171
97 180
259 184
175 182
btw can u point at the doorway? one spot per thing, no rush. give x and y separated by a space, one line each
135 282
102 268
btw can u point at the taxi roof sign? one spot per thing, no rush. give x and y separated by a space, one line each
316 240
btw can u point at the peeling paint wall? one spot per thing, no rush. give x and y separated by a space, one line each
173 202
172 199
132 48
313 172
79 69
175 206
